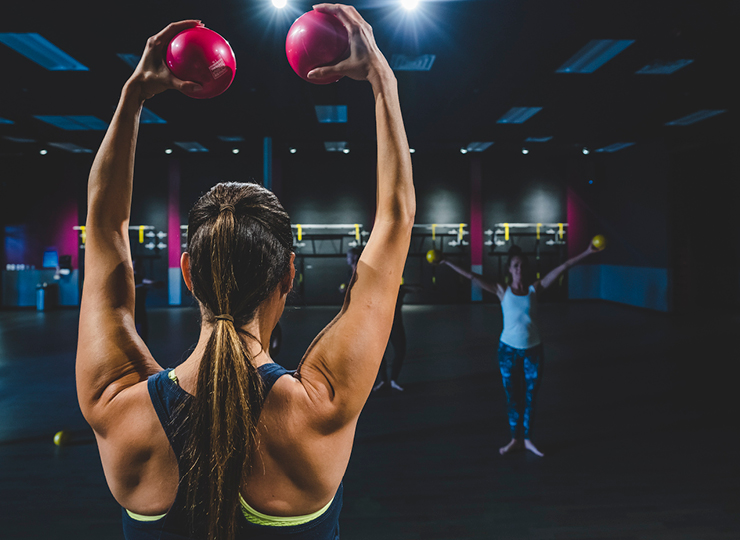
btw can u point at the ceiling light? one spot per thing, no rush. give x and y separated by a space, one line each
409 4
695 117
43 152
585 151
346 150
518 115
525 151
235 151
478 146
402 62
168 151
412 151
293 150
331 114
75 122
70 147
537 139
280 4
130 59
595 54
192 146
615 147
148 117
590 181
231 138
663 68
40 50
335 146
463 150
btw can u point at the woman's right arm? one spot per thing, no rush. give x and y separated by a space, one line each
488 284
340 366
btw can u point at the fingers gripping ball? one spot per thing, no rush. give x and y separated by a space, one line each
203 56
599 242
434 256
62 437
316 39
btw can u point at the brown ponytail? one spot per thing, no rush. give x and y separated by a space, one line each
239 240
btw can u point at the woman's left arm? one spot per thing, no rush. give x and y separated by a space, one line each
110 354
553 275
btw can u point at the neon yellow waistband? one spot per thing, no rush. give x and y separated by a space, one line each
258 518
253 516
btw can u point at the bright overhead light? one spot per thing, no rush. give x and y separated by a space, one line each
463 150
411 151
168 151
409 4
585 151
293 150
280 4
235 151
346 150
43 152
525 151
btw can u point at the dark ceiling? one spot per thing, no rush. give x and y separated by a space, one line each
490 56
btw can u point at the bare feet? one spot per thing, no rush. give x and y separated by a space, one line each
396 386
532 448
513 445
378 386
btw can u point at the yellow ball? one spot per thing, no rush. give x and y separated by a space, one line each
62 437
599 242
434 256
343 287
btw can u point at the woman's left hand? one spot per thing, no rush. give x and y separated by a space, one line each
152 76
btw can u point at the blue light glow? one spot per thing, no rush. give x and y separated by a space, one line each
518 115
595 54
38 49
696 117
663 68
75 123
331 114
148 117
6 121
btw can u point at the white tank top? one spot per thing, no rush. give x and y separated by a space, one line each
520 319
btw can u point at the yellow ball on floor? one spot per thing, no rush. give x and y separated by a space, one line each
599 242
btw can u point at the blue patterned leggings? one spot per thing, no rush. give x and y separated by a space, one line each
521 370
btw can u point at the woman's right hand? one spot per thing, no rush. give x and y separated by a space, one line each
365 61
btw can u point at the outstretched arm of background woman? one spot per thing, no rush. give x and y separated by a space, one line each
553 275
110 354
478 279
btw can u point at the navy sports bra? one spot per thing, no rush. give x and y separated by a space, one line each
171 404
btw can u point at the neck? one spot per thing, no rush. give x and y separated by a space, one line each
517 283
259 348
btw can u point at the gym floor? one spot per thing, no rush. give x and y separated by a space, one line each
633 416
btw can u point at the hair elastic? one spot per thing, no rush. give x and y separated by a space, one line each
224 318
